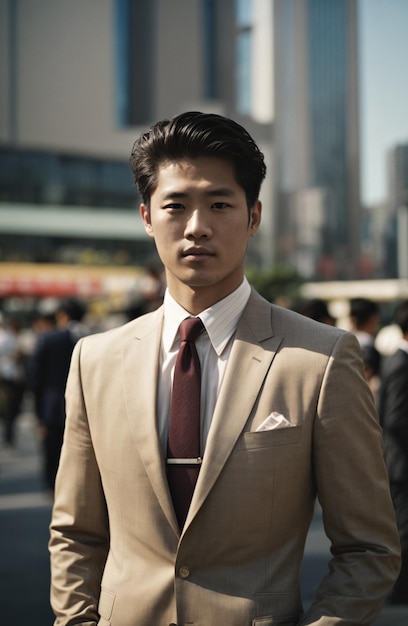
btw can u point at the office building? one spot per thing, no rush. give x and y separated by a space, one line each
396 236
317 135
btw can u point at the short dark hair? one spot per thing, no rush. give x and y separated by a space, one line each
401 316
316 309
362 309
75 309
192 135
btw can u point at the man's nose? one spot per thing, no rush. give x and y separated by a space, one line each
198 224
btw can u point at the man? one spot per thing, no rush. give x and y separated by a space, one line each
365 319
49 370
12 378
394 418
316 309
285 414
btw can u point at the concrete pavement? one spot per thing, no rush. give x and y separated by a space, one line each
25 511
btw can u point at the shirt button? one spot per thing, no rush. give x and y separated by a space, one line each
184 571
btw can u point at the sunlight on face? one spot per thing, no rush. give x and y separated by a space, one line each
199 220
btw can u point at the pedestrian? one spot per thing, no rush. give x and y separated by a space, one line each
49 371
316 309
394 420
365 320
12 378
286 414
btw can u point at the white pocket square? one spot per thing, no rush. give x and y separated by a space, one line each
273 421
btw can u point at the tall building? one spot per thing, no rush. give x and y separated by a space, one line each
397 213
317 135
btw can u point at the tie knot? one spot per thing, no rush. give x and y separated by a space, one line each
190 328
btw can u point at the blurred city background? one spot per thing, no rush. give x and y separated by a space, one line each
322 85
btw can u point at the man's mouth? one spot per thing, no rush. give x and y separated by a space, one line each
197 252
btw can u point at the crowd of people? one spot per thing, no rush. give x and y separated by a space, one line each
386 370
35 355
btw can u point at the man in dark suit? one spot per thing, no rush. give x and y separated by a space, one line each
49 370
394 418
286 414
365 319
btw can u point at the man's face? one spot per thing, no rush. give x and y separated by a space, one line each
199 220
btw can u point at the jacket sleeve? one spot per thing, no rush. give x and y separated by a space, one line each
353 490
79 531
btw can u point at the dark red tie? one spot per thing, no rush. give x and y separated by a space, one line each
183 457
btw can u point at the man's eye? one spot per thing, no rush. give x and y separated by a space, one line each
220 205
174 205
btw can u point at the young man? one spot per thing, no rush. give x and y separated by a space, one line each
285 414
49 370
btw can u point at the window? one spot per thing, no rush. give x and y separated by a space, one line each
135 50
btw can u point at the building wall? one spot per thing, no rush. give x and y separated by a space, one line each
64 64
317 137
5 79
180 66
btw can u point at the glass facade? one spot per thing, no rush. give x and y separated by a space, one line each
210 49
44 178
317 126
243 56
135 41
328 62
33 183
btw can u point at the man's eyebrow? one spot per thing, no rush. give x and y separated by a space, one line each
174 195
217 191
220 191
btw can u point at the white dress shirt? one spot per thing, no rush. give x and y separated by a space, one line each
213 347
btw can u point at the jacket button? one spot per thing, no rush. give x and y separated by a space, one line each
184 571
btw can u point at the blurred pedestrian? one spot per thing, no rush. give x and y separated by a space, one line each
49 370
316 309
394 419
12 378
175 507
365 320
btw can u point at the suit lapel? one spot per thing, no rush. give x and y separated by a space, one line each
252 353
140 370
253 350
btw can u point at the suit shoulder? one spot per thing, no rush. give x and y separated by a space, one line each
114 336
297 329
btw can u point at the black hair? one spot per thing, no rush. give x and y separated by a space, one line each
401 316
75 309
362 309
192 135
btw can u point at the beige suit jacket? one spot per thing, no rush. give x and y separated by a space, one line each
117 556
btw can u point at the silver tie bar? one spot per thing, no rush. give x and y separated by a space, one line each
195 461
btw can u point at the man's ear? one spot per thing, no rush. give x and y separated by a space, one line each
255 218
145 215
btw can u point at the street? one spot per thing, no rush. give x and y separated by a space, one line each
24 517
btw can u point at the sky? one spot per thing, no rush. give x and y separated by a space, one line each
384 90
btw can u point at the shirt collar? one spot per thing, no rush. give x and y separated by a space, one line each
220 319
